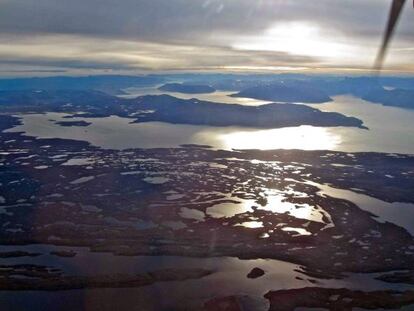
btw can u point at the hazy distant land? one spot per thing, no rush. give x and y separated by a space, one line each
280 92
388 90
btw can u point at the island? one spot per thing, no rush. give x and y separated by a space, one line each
173 110
166 108
73 123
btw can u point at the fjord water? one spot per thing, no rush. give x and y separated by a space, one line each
391 130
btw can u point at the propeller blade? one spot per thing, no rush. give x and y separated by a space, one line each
395 13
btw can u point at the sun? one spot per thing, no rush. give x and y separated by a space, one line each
297 38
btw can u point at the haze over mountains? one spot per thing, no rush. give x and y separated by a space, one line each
392 91
111 84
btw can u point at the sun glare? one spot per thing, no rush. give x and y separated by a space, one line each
302 137
297 39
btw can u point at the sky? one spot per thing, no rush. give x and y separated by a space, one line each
49 37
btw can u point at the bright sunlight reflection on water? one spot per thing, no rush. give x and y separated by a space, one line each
302 137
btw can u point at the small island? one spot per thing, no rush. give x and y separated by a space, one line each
187 88
73 123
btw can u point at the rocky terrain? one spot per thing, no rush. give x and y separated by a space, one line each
253 204
197 202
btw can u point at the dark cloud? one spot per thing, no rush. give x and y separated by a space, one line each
210 26
96 54
160 20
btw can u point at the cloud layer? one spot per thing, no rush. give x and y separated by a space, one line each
150 35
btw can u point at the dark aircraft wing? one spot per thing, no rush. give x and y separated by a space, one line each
395 13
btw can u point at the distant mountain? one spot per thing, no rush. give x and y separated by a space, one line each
300 92
271 87
57 100
111 84
397 97
398 82
187 88
358 86
372 89
170 109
